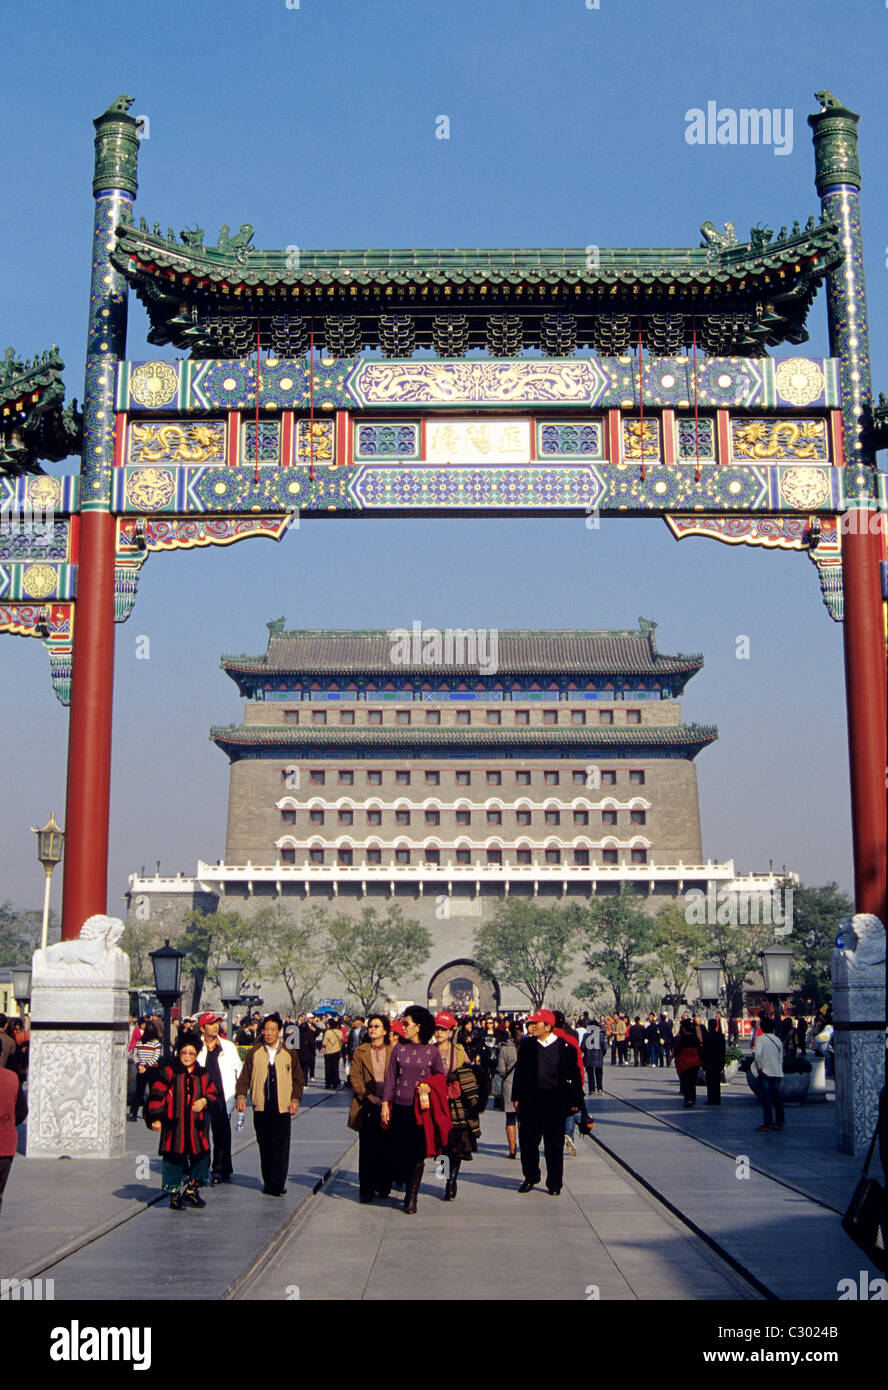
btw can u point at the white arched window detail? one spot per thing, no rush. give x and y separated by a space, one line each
582 842
638 803
552 803
463 842
431 803
611 842
345 803
608 803
493 803
463 803
373 803
344 842
288 803
286 842
640 842
524 803
582 803
493 842
431 842
403 803
317 803
553 842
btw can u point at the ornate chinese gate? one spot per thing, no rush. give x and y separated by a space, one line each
673 410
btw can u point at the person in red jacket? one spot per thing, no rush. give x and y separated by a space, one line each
13 1111
177 1108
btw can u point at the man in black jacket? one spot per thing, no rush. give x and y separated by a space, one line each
546 1089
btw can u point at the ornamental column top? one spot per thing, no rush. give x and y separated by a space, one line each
117 148
835 143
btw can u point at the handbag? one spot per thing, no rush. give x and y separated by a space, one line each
865 1219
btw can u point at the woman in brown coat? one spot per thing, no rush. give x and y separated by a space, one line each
369 1065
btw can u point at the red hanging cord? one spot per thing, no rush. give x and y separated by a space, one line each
641 398
696 401
311 399
256 465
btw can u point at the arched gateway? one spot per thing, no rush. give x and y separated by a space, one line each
460 987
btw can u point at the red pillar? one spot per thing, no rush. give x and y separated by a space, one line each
85 886
865 684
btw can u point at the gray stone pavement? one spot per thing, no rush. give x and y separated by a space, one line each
604 1238
92 1225
797 1187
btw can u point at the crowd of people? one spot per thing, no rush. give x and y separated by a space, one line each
420 1085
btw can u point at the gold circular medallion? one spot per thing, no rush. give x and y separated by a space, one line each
154 383
38 580
44 494
799 380
804 487
149 489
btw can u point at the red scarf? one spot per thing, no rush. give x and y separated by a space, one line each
435 1121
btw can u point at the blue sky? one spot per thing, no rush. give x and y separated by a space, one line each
317 125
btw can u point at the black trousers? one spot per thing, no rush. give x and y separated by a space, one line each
543 1121
307 1059
273 1138
713 1087
374 1159
331 1070
220 1123
595 1077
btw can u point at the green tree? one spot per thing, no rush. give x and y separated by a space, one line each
295 950
526 946
678 946
617 940
816 914
736 947
138 941
19 934
369 950
213 937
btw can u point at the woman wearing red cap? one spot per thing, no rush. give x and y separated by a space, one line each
463 1098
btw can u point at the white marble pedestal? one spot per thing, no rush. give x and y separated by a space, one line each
858 973
79 1036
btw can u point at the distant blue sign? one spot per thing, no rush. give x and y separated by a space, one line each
336 1004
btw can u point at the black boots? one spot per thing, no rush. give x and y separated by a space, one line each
192 1196
176 1203
412 1190
450 1186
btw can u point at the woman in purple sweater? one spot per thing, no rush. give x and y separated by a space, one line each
413 1060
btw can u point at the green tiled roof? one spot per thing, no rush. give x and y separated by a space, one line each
575 652
580 737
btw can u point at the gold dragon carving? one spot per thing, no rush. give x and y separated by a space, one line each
178 443
776 439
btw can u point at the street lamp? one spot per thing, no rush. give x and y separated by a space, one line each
776 968
21 985
50 842
708 972
230 980
167 964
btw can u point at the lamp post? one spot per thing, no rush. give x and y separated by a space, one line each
21 985
776 968
167 964
50 842
230 979
708 972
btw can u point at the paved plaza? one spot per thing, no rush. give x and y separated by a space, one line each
656 1206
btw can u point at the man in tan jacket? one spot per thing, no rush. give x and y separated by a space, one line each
273 1078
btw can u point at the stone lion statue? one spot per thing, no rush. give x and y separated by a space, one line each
94 954
861 941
